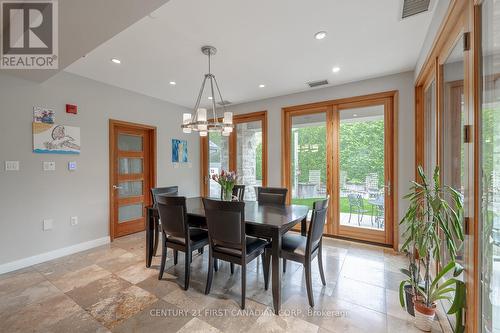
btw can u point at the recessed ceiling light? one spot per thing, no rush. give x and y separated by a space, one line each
355 115
173 83
116 61
262 85
336 69
320 35
210 97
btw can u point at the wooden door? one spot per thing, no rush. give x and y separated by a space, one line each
132 174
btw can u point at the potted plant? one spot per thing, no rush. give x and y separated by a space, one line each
434 216
226 180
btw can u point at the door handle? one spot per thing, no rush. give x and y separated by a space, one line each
388 188
117 187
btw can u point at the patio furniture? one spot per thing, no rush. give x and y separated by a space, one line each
356 206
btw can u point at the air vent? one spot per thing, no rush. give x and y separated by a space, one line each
313 84
224 103
414 7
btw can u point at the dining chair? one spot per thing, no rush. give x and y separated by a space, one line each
155 191
228 240
356 206
271 195
303 249
177 234
238 192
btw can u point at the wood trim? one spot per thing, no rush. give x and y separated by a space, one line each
331 108
151 166
237 119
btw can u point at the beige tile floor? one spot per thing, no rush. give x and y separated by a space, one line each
109 289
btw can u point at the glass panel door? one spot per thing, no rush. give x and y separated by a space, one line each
490 171
218 160
362 171
249 152
308 156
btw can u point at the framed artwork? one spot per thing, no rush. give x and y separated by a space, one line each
55 139
43 115
179 151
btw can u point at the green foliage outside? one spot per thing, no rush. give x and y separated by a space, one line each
361 150
258 162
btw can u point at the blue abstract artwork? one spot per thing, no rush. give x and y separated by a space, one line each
179 151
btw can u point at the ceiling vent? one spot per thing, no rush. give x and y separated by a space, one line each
314 84
414 7
223 103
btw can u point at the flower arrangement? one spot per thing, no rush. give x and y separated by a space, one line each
226 180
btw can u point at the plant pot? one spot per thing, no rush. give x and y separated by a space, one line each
409 300
424 316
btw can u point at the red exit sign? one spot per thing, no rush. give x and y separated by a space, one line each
71 109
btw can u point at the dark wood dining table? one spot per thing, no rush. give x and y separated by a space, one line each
264 221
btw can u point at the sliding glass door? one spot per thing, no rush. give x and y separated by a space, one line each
244 151
490 171
344 149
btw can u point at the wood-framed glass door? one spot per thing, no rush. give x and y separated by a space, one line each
244 151
364 183
132 175
346 149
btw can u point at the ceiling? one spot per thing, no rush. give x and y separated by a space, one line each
258 42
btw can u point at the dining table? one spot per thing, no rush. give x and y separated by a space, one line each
269 222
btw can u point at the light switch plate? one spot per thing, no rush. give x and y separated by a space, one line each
11 165
49 166
72 166
48 224
74 220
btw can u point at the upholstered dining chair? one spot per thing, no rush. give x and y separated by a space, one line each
238 192
271 195
155 191
177 234
303 249
228 240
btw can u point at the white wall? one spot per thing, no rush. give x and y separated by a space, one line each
30 195
402 82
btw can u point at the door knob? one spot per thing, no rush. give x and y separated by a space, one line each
117 187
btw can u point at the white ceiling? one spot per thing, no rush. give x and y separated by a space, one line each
259 41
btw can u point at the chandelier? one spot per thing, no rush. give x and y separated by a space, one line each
198 120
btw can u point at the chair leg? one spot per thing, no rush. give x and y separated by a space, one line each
187 268
216 265
320 263
266 260
200 250
210 273
310 295
155 246
243 284
284 265
176 254
232 268
350 214
163 259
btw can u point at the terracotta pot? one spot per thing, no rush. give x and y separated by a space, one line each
424 316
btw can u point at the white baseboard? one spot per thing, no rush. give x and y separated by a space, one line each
39 258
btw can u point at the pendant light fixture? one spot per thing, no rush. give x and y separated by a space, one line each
198 121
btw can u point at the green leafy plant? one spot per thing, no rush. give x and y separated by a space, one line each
434 217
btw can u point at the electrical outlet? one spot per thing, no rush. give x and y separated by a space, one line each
48 224
74 220
72 166
11 165
49 166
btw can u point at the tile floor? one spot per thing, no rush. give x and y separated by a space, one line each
109 289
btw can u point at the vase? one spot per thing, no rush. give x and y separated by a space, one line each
227 193
424 316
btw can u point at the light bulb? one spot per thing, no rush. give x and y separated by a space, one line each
202 114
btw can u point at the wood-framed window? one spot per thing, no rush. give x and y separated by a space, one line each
244 151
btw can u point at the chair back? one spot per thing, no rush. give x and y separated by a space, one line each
173 215
271 195
226 224
239 192
318 218
168 190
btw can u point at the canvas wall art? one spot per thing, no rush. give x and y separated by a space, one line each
55 139
43 115
179 151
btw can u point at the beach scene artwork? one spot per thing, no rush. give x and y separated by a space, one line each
55 139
